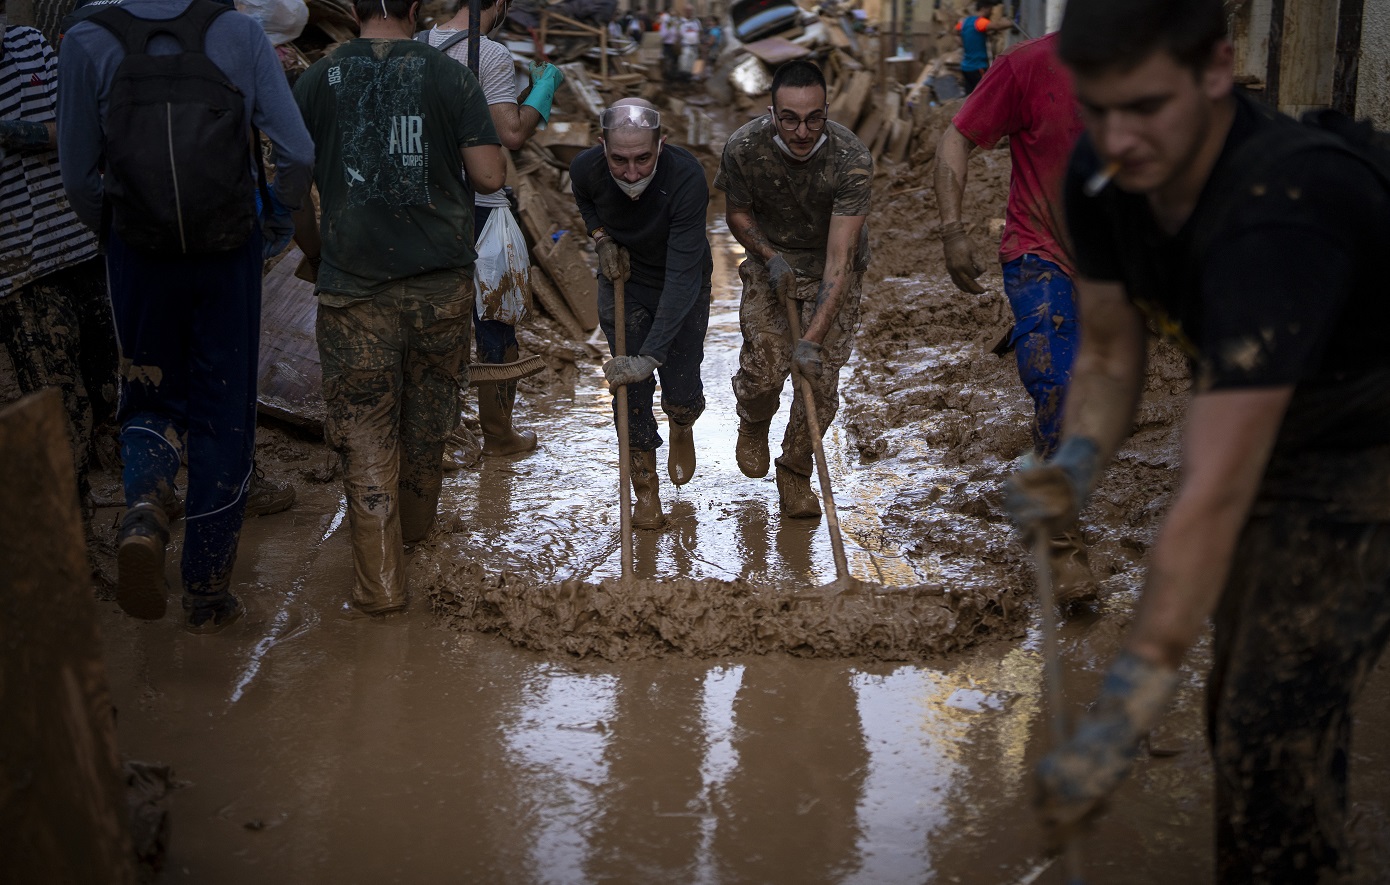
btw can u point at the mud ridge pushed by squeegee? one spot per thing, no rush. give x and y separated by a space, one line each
710 618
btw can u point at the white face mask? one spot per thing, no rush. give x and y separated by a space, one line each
634 189
820 143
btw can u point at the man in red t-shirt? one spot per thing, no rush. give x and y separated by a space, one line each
1027 96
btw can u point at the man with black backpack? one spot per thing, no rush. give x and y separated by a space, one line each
1255 244
397 124
157 103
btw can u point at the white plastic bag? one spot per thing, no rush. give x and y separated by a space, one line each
282 20
502 273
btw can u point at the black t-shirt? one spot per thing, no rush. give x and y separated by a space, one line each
1287 290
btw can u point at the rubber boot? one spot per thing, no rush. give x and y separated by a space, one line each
141 590
680 457
418 494
378 560
646 507
1072 579
496 403
751 451
795 495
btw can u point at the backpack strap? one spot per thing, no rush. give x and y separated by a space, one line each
190 28
459 37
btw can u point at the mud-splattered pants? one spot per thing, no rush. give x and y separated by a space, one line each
682 389
1301 623
189 331
390 387
1044 339
58 333
765 360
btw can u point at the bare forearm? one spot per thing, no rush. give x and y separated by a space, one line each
745 229
1102 397
952 165
829 297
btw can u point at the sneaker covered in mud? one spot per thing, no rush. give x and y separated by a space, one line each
1072 580
141 590
751 451
204 617
266 496
795 495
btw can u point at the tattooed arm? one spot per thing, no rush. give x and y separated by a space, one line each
840 251
745 229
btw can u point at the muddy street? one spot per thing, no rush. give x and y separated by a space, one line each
315 745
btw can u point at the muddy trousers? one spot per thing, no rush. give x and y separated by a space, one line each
682 389
765 360
189 333
58 333
1044 339
1301 623
390 387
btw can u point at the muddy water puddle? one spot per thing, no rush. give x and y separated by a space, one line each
318 747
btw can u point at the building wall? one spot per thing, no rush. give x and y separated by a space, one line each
1373 76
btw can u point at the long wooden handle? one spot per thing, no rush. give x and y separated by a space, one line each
624 465
832 518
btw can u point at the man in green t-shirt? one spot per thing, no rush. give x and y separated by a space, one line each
798 188
396 125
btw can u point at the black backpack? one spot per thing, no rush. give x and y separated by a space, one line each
178 172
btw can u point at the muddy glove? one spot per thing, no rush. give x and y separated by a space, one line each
1048 496
1075 779
807 360
613 260
960 258
782 277
545 79
22 135
622 370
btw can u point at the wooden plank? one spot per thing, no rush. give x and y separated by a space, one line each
289 377
849 104
1308 55
63 815
899 140
582 88
565 264
534 220
1346 69
553 304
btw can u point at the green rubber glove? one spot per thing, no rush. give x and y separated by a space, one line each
545 79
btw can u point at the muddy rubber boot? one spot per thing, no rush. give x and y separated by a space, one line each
646 507
141 590
1072 580
751 451
495 405
795 495
680 457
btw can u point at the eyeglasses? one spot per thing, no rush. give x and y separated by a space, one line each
791 123
629 115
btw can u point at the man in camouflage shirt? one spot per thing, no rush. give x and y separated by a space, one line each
798 193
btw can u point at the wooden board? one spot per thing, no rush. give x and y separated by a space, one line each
534 219
553 304
63 815
289 377
577 79
564 263
776 50
849 104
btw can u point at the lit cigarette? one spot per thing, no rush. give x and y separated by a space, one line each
1097 182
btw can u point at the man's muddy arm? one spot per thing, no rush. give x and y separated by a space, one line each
840 251
745 229
952 165
1226 445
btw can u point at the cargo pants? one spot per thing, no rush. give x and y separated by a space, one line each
391 365
765 359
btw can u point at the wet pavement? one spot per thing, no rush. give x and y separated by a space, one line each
317 746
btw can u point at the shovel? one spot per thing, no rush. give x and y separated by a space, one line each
624 466
843 579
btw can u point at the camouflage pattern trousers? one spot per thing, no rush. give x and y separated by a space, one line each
1304 616
765 360
58 333
391 365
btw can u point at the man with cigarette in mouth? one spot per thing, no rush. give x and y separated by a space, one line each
1027 96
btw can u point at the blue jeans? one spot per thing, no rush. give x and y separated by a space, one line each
494 337
1044 340
189 333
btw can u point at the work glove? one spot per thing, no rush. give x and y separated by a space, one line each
782 277
622 370
807 360
22 135
1048 496
1075 779
613 260
545 79
277 225
960 258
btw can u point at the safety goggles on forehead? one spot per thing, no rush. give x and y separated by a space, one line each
629 115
